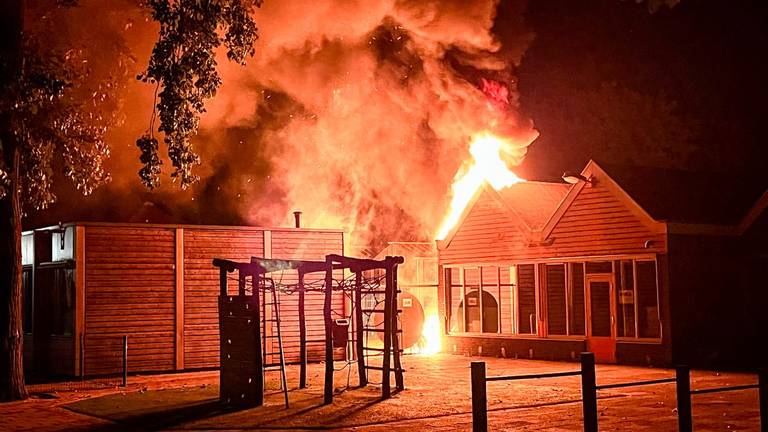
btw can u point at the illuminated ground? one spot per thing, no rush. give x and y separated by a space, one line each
437 398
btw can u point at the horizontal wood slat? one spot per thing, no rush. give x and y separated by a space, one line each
129 279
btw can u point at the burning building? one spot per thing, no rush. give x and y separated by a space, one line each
86 285
640 266
417 281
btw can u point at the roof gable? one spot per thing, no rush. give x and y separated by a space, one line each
599 178
486 206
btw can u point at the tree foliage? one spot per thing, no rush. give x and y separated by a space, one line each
54 129
183 66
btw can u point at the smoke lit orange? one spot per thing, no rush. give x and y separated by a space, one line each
487 166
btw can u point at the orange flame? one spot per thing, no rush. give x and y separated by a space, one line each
432 335
487 166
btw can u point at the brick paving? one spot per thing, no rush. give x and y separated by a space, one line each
437 397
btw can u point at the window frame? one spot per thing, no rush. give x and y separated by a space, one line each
495 289
542 331
637 338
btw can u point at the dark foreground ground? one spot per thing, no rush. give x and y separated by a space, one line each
437 397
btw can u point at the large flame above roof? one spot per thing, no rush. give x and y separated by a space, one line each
486 166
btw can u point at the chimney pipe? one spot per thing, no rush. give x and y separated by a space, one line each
297 218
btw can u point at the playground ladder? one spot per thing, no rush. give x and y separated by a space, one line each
274 321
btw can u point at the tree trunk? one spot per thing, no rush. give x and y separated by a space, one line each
12 338
11 334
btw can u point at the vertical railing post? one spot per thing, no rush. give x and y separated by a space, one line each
683 382
328 390
302 334
359 335
479 398
82 357
762 384
589 391
385 362
395 332
258 355
125 360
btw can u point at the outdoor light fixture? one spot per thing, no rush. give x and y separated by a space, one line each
574 177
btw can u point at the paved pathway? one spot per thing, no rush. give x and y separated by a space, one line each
437 397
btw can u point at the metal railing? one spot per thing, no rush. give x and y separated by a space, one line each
684 393
589 389
480 397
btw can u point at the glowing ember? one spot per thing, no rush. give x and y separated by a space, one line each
487 166
431 334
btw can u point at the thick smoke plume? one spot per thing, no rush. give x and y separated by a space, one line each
358 113
383 97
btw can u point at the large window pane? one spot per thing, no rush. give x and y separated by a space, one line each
472 299
576 321
526 289
556 315
625 299
27 299
506 300
647 300
63 295
453 298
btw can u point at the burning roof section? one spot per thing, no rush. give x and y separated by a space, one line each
534 202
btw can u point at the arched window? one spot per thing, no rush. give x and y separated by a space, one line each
490 315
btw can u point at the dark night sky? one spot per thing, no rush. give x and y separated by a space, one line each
603 79
687 85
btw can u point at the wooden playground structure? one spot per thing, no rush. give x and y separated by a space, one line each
250 325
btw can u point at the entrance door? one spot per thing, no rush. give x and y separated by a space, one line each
601 331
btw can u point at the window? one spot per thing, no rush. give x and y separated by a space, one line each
565 299
625 298
637 304
556 299
577 311
63 297
479 299
648 323
27 299
526 299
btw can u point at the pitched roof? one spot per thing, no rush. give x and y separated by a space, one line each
680 196
534 201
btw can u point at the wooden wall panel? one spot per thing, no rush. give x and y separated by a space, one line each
201 286
129 289
487 234
600 221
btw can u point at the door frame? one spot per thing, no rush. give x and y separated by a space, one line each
604 347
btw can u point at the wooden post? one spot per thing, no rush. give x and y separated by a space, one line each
479 398
385 388
223 281
589 391
125 360
263 323
762 383
179 300
683 381
395 334
257 338
360 352
81 359
328 391
302 334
